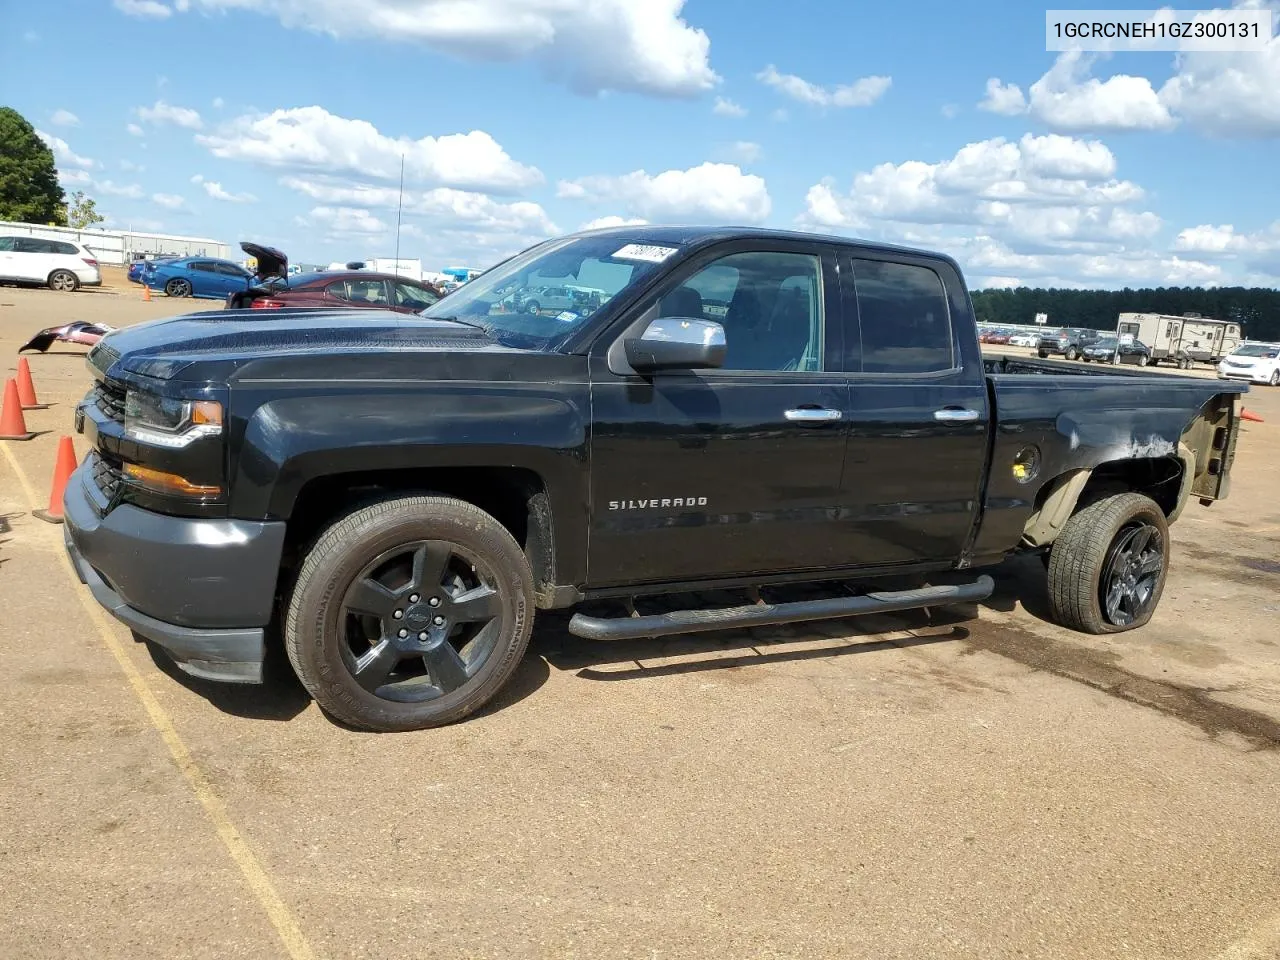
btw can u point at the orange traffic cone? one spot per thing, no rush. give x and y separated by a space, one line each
1246 415
13 426
63 468
26 388
146 292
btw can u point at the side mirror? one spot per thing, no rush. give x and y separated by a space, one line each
677 343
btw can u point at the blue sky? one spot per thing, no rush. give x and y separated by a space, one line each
938 124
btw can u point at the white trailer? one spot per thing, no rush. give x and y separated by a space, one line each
1181 340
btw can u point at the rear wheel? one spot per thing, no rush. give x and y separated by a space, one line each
532 306
1071 353
1107 568
410 613
64 281
1275 377
177 287
1142 359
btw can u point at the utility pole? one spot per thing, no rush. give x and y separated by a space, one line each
399 207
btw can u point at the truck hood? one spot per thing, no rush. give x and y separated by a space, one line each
165 348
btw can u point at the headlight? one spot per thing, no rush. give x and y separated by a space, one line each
169 422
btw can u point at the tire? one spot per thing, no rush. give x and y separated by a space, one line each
1071 353
1088 562
177 287
1042 354
64 281
1142 360
434 675
532 306
1275 378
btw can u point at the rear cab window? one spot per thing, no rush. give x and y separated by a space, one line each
902 320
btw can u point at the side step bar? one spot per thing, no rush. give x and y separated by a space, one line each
763 614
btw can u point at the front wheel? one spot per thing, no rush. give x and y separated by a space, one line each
1042 354
1275 377
64 281
1107 568
410 613
177 287
1071 353
1142 360
532 306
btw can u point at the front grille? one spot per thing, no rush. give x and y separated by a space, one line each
106 476
110 399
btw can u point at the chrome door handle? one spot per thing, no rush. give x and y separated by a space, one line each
812 415
956 415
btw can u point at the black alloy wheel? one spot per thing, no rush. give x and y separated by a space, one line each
1132 574
177 287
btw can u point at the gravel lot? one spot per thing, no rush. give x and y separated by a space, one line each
994 787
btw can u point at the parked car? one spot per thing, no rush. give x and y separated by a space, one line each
404 494
1024 340
1069 343
1104 350
1255 362
278 288
205 278
58 264
553 299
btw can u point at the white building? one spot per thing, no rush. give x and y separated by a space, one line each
120 246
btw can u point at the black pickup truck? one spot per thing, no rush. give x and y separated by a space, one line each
394 497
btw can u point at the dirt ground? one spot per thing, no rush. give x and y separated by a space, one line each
992 788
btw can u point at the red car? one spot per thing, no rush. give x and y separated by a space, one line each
277 290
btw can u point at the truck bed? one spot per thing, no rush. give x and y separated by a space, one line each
1100 417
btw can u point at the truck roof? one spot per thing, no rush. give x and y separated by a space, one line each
703 233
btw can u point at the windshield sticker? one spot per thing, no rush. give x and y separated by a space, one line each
644 251
568 316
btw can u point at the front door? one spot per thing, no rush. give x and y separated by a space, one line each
729 472
919 416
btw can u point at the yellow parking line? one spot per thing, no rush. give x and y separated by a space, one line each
254 873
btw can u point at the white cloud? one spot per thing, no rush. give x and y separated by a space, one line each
128 166
345 220
135 130
728 108
170 201
130 191
1003 98
63 155
712 191
741 151
161 113
1228 94
442 205
218 103
1224 240
145 9
64 118
1067 98
214 189
860 93
311 138
613 220
590 45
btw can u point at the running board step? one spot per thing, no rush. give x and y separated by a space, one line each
764 614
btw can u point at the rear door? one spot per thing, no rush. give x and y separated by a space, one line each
34 259
704 474
918 410
232 278
205 281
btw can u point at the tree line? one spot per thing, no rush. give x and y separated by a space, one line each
1256 309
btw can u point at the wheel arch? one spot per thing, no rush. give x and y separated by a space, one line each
517 497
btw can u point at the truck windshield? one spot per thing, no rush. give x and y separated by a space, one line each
538 297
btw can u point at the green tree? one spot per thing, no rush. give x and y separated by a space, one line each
82 211
29 190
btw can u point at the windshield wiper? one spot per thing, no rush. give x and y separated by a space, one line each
465 323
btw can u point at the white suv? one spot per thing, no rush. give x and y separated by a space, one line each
59 264
1255 362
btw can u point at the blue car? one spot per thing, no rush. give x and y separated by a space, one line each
136 268
203 277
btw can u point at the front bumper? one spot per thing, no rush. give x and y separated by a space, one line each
203 590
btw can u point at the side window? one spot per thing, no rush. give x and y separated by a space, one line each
337 289
203 266
32 245
6 244
770 305
906 326
365 291
411 296
230 270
